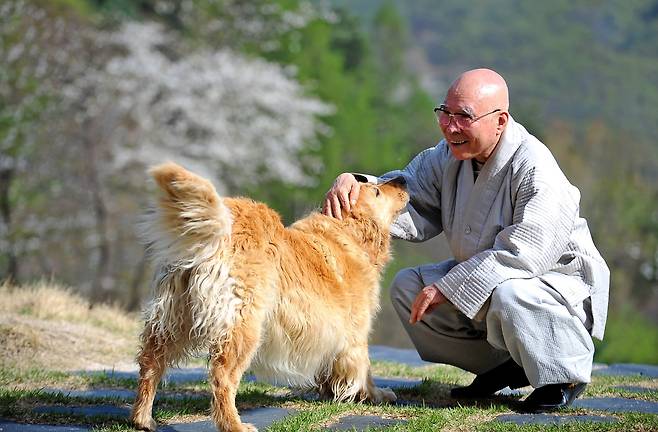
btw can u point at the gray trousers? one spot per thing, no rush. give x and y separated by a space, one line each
526 320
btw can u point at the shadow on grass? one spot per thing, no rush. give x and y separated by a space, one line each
435 394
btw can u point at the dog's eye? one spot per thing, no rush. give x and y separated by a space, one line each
377 192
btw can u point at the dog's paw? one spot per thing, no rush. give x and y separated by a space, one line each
248 427
147 424
382 395
388 395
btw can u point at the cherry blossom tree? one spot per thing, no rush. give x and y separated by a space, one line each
234 118
142 99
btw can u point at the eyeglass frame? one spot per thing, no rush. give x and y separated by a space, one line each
442 109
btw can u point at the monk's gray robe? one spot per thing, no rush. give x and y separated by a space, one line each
519 220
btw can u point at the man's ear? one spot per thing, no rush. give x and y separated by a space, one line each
503 118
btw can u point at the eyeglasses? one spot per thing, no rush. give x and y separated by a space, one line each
462 120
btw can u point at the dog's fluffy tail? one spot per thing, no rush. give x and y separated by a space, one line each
190 222
188 236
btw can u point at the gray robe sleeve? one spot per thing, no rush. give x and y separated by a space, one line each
543 218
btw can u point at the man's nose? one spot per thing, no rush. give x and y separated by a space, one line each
452 125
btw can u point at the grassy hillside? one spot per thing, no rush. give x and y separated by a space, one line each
44 326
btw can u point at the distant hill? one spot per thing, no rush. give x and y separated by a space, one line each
573 61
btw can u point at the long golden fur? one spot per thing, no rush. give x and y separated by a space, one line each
295 303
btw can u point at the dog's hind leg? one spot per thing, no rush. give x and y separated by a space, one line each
153 360
227 365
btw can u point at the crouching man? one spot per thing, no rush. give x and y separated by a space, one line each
527 289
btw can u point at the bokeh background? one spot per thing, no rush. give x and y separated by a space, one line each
274 98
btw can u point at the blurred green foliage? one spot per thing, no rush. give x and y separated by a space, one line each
630 338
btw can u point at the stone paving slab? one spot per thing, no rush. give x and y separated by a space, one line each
361 423
395 383
173 375
627 369
611 404
119 394
635 389
552 419
19 427
259 417
396 355
85 410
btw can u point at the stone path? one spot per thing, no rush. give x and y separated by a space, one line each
552 419
265 416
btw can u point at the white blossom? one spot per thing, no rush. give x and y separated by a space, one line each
210 110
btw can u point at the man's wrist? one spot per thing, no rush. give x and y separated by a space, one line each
444 298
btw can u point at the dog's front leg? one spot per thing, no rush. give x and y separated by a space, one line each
378 395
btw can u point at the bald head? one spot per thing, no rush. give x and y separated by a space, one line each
484 88
478 101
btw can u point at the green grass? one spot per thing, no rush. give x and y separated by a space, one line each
13 377
433 409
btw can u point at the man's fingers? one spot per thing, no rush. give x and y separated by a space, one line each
335 208
422 308
344 200
418 308
343 195
354 193
425 302
326 208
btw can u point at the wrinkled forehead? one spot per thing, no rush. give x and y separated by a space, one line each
462 101
474 92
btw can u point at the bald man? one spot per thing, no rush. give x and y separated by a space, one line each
527 289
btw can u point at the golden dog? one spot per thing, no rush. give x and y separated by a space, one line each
296 303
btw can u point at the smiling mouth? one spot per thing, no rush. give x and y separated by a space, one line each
458 142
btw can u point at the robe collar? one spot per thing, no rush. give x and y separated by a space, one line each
510 140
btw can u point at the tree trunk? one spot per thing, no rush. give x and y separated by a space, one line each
102 279
6 178
136 290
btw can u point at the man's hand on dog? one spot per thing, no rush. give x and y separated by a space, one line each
429 298
343 194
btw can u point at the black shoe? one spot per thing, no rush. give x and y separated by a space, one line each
508 374
552 397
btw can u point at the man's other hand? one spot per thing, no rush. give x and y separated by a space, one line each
343 195
429 298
